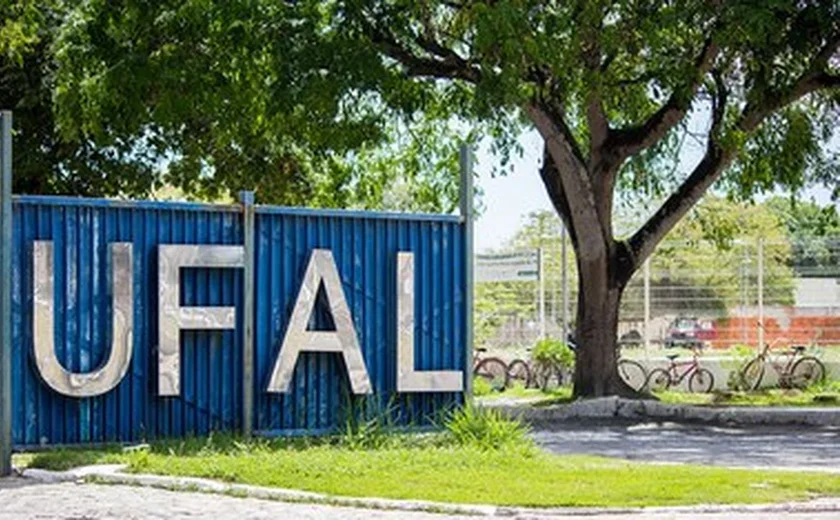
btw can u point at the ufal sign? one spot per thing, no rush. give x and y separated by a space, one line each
173 317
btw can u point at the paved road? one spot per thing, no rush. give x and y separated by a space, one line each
795 448
103 502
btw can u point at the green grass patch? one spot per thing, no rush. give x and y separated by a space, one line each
479 457
518 391
826 394
431 467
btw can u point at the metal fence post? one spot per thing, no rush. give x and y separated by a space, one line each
467 214
760 293
541 264
555 286
5 293
247 200
647 303
564 273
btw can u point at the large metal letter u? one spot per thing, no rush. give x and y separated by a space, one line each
108 376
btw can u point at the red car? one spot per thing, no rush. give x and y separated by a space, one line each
688 333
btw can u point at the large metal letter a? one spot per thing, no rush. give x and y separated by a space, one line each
298 339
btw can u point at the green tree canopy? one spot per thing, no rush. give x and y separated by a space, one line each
121 98
814 232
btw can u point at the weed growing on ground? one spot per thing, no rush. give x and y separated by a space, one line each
486 429
482 387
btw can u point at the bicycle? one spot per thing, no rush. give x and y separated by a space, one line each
700 380
491 369
794 369
537 374
520 370
632 373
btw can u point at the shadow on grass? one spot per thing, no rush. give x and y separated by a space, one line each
63 459
68 458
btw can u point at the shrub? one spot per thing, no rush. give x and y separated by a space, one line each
486 429
552 351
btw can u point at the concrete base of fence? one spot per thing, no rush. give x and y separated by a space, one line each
114 474
631 409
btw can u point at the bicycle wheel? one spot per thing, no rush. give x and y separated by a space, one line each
749 379
518 371
632 373
494 371
543 374
701 381
658 380
805 372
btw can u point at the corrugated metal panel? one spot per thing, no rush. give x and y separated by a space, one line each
364 246
365 252
211 360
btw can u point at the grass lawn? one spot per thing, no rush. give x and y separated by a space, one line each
426 467
827 395
773 397
518 391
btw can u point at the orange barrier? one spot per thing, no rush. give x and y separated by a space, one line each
801 331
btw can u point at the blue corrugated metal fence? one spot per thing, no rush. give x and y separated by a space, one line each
365 247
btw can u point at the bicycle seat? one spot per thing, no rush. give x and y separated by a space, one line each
480 349
798 348
672 356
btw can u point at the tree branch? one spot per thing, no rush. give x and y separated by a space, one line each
814 79
643 242
557 115
632 140
551 178
596 117
714 161
449 66
429 43
570 178
811 82
599 130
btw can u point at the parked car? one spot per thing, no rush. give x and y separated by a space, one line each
631 339
688 332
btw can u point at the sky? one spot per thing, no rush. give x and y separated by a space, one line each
508 199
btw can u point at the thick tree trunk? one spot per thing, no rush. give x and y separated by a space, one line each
596 332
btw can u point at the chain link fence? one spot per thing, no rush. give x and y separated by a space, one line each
711 294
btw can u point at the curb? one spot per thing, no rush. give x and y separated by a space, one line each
631 409
114 474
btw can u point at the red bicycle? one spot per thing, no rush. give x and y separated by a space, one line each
699 379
